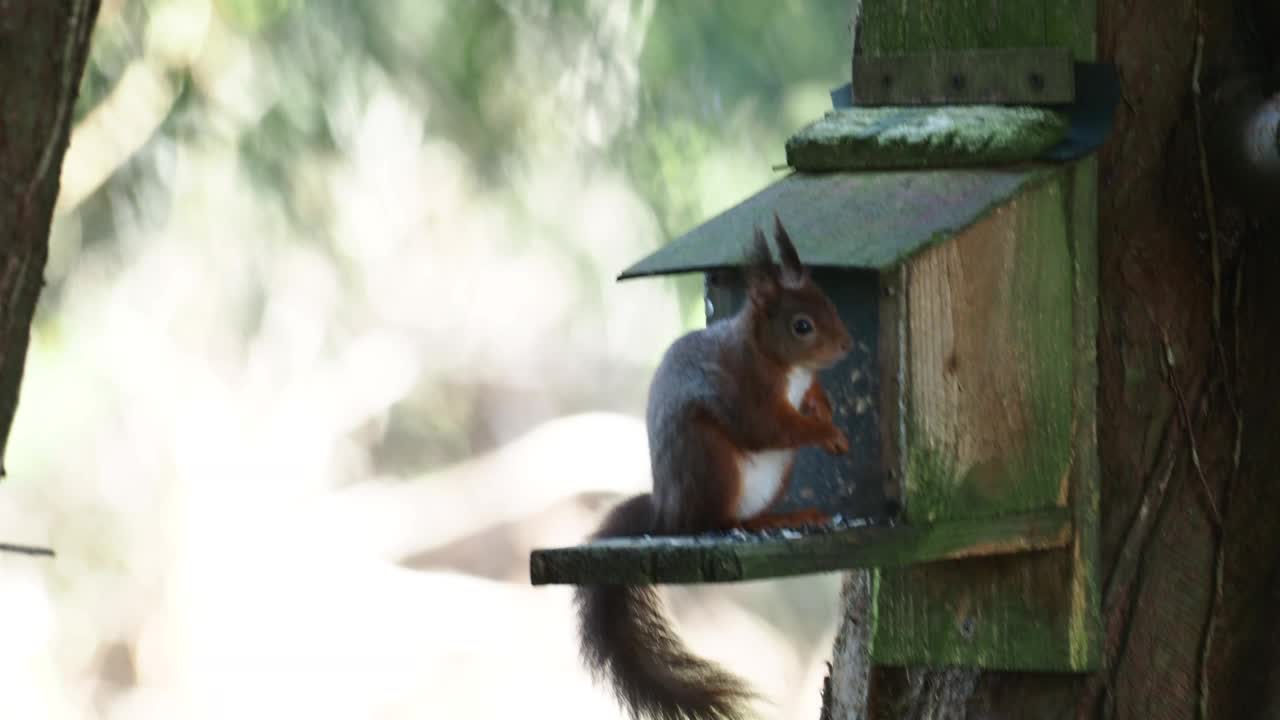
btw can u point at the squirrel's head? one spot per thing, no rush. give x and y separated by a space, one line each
795 320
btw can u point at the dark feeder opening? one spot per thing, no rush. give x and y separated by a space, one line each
855 488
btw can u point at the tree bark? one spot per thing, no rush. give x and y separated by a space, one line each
43 46
1187 351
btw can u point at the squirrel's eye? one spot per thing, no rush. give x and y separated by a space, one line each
801 325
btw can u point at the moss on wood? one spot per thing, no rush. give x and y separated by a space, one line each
997 337
920 137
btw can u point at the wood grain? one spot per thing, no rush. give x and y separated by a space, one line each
997 393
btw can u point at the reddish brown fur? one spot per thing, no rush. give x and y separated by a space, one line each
817 405
719 394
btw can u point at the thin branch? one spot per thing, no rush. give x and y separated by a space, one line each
1231 382
1208 188
1126 593
1172 379
1210 628
1119 596
26 549
1235 338
1139 530
1220 553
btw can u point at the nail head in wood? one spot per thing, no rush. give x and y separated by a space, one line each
970 76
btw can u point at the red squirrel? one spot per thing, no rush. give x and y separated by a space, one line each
728 407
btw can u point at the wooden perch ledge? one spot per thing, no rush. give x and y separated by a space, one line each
744 556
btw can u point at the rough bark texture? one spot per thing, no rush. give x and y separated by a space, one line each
845 693
43 46
1187 356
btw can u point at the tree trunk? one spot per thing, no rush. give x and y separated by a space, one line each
43 46
1189 397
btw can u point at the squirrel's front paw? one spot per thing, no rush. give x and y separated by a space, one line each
817 408
837 444
816 404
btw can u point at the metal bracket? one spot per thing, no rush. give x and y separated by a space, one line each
1020 76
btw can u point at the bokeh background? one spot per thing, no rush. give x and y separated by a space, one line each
331 340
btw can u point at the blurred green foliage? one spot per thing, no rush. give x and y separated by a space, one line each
701 62
712 91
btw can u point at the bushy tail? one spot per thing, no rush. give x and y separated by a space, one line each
627 642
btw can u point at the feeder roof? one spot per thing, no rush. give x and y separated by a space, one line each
862 220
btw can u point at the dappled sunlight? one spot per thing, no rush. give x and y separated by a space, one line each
332 340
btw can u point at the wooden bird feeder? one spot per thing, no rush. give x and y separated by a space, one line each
964 263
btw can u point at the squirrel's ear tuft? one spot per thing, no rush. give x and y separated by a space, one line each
793 272
761 273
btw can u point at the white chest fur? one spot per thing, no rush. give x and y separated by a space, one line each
798 382
763 472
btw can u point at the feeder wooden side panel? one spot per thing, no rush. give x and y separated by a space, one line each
993 402
989 365
998 613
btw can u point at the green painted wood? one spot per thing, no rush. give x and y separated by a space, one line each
847 220
892 26
882 29
989 323
1073 24
1009 76
1006 613
1086 479
919 137
1035 611
990 433
701 559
